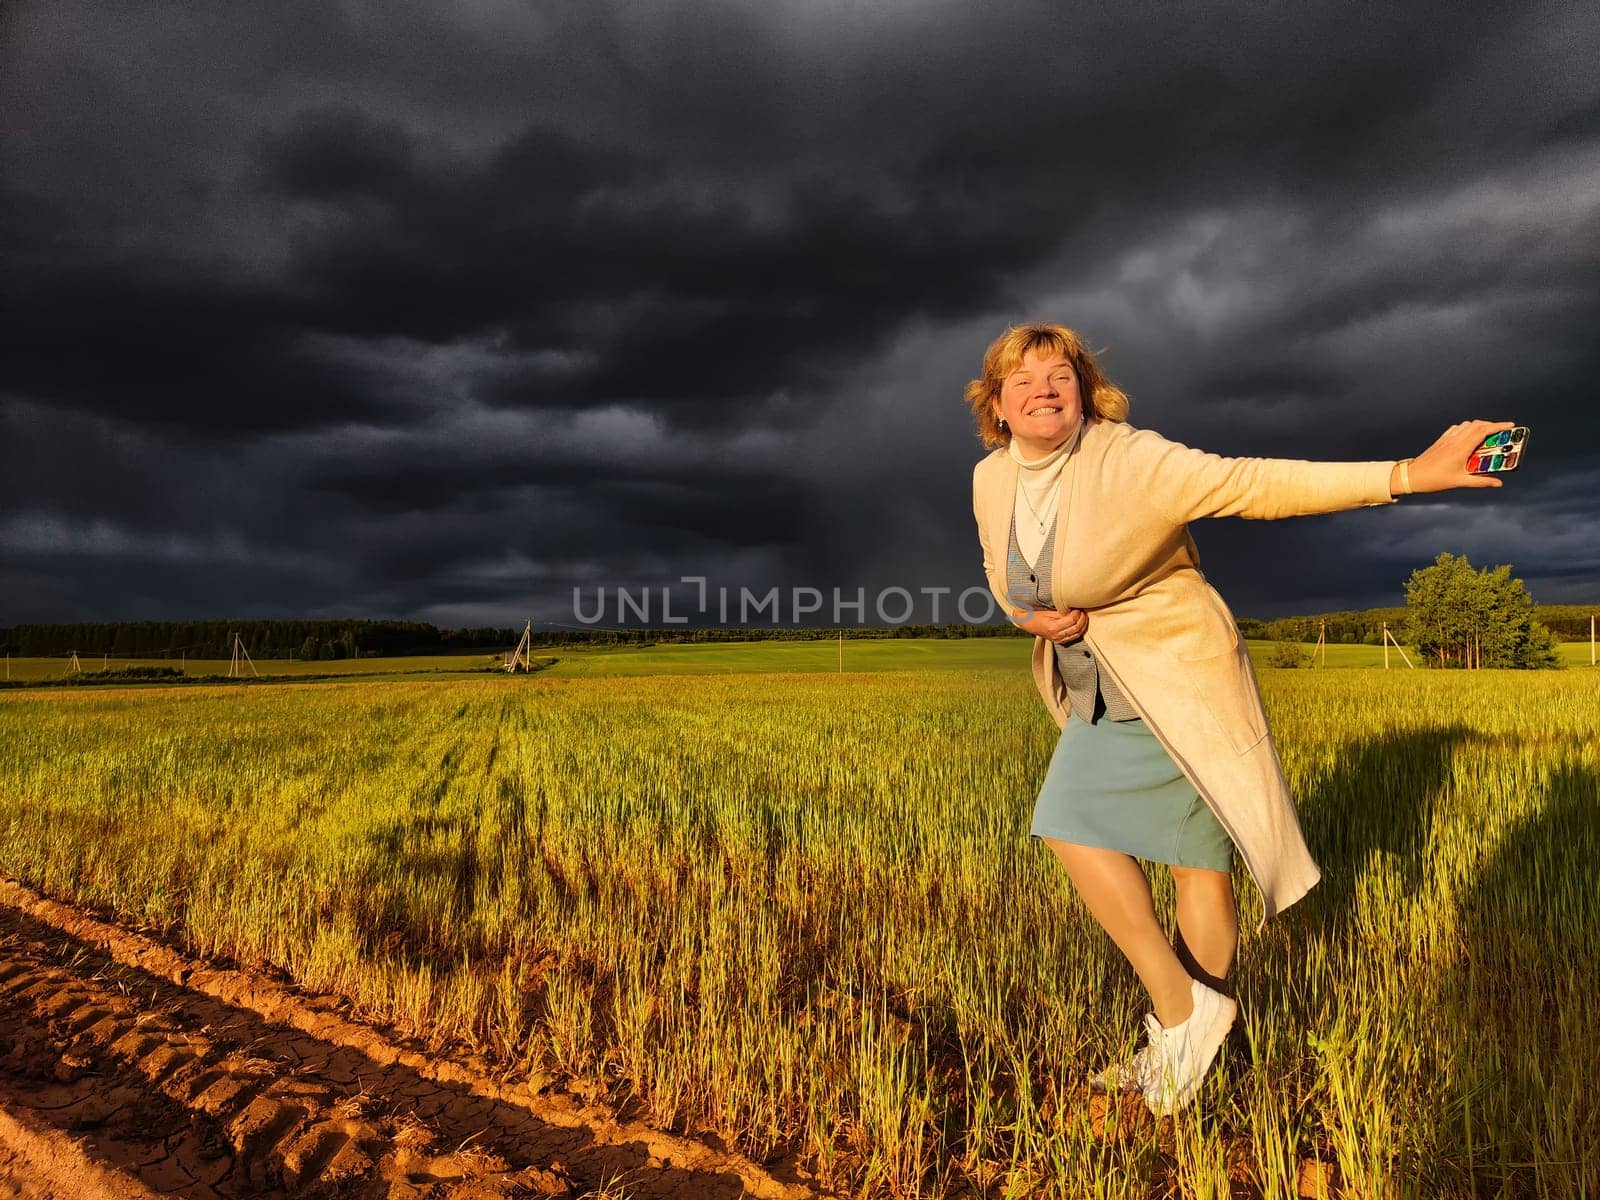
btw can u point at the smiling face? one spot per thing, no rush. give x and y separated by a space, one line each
1039 402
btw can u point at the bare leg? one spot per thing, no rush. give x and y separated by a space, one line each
1114 887
1208 925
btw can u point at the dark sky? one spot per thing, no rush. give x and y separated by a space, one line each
440 311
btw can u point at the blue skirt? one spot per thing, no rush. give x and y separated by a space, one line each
1112 784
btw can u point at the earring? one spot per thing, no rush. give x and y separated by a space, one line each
1002 422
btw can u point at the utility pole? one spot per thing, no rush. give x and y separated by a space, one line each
1322 640
241 656
1389 637
1591 640
841 652
518 655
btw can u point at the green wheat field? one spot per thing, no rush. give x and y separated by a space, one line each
740 893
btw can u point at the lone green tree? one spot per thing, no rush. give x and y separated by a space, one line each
1458 617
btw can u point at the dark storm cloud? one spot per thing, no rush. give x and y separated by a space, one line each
443 316
672 495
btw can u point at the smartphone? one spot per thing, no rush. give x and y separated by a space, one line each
1499 452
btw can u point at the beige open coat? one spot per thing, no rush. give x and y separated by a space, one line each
1123 552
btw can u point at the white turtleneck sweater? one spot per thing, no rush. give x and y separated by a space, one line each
1039 493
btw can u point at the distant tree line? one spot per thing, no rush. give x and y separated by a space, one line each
1566 621
1363 627
325 639
352 638
340 639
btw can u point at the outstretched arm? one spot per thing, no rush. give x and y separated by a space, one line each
1186 484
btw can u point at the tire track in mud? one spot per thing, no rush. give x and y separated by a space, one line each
178 1078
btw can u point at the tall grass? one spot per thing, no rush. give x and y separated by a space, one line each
803 912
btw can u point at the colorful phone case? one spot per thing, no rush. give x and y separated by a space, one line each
1499 452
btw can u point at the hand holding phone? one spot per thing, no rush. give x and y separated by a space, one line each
1499 452
1443 466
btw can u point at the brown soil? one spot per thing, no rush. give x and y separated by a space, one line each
128 1069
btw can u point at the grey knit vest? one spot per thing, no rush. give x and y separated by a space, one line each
1090 693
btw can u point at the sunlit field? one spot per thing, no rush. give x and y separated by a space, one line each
802 911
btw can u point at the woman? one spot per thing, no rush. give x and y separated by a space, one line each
1164 752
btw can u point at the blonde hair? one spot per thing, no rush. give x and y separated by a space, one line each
1102 399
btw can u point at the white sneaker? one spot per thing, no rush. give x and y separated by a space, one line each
1186 1051
1130 1076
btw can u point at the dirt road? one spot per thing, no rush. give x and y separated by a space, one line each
128 1070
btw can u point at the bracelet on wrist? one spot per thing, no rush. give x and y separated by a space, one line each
1405 477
